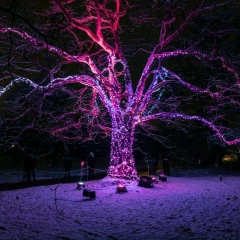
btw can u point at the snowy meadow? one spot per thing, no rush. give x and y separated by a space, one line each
184 207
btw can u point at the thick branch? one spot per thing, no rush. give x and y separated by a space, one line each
99 39
85 58
83 79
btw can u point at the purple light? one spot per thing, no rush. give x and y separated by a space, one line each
111 86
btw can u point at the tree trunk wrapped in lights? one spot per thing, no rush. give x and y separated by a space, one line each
122 162
110 67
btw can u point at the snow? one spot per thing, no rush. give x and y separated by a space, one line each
184 207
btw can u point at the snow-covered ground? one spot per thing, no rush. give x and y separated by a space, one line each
185 207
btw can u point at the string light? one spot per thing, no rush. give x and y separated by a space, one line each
106 86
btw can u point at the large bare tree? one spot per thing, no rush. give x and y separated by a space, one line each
79 69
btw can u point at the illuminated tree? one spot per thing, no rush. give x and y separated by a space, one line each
73 68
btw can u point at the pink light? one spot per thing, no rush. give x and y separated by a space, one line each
121 188
111 86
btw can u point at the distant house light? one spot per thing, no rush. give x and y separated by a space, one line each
230 157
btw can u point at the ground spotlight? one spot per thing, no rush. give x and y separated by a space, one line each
121 188
146 181
89 193
80 185
154 179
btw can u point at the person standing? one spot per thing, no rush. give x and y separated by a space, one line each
29 166
91 165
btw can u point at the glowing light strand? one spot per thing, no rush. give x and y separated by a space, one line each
166 115
108 88
84 79
84 58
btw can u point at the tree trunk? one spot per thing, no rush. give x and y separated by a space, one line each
122 163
